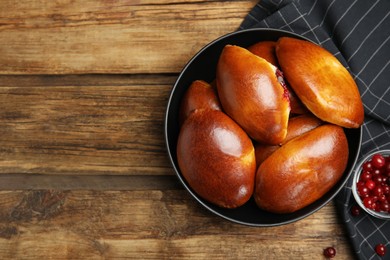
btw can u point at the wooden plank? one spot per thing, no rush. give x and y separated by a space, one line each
82 128
87 80
150 225
88 182
116 36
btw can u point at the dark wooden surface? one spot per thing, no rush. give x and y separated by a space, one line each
84 172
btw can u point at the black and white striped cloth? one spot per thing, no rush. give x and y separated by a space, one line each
357 32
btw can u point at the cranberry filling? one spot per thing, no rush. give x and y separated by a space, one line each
280 77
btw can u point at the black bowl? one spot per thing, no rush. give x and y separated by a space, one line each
203 66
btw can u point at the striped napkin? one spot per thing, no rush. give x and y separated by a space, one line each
357 32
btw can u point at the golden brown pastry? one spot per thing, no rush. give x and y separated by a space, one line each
266 50
295 160
302 170
296 126
199 95
216 158
250 93
301 124
321 82
263 151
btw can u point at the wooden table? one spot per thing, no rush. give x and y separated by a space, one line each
84 171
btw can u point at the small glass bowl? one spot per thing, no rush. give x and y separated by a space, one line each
357 173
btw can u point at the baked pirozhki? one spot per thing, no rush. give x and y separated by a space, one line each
321 82
296 126
200 95
251 94
240 136
216 158
302 170
266 50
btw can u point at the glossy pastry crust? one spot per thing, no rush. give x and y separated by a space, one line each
216 157
296 126
250 93
302 170
321 82
199 95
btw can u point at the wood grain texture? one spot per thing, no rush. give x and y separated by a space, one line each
155 224
76 127
110 36
88 182
84 173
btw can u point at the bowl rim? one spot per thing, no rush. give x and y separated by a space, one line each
356 175
181 178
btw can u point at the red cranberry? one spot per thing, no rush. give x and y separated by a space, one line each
363 192
367 166
378 161
377 191
370 184
373 186
377 172
386 189
378 179
330 252
385 206
387 166
380 249
366 176
368 203
355 210
361 184
376 207
382 198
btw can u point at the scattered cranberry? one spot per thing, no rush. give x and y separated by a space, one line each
380 249
373 185
355 210
330 252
